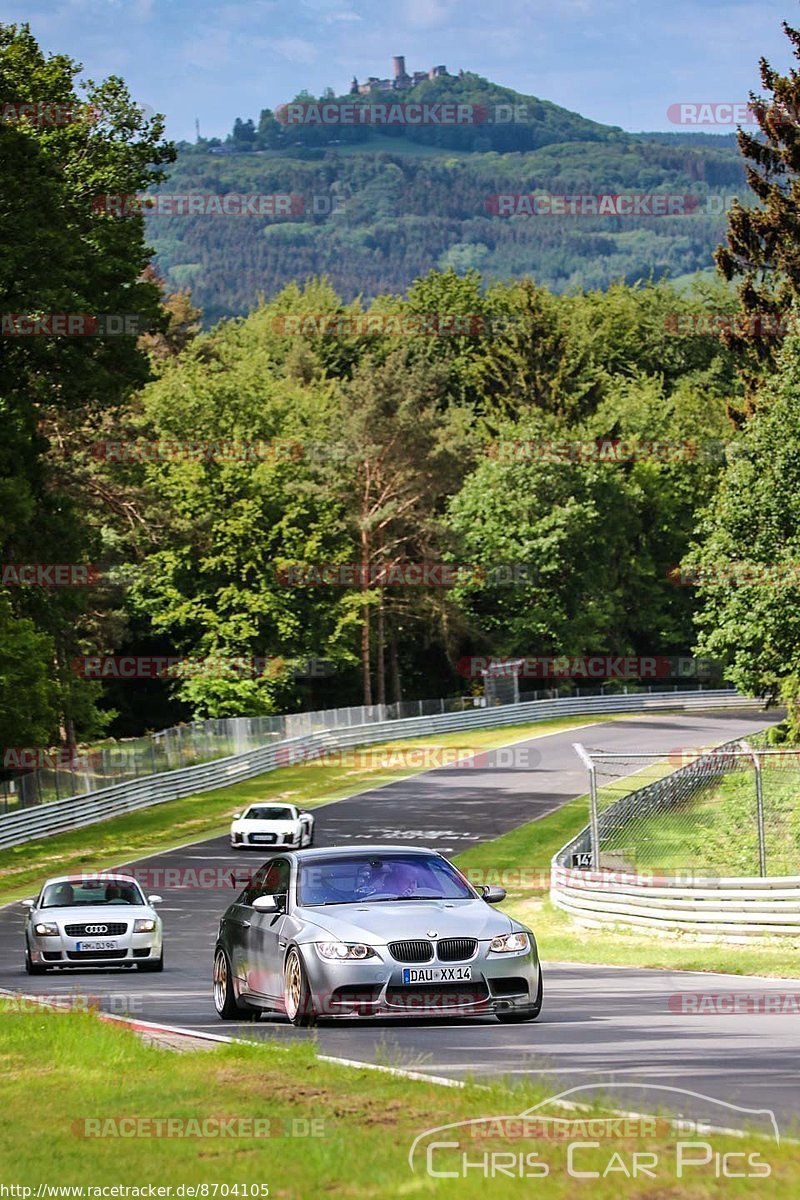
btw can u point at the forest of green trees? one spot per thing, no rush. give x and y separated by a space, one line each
201 468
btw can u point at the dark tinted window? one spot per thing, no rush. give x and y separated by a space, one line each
268 812
85 892
270 880
348 880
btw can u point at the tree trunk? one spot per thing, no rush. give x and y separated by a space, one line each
381 665
366 671
394 669
365 655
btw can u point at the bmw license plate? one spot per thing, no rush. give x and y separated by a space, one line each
436 974
107 945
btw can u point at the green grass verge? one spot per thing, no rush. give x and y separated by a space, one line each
63 1069
520 862
207 814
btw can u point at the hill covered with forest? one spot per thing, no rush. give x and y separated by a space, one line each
375 206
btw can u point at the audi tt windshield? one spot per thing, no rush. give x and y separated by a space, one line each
78 895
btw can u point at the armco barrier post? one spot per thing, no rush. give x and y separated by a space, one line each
762 852
594 832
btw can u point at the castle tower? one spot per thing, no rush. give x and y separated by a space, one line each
399 63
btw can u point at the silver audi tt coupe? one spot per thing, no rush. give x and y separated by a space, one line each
105 921
372 931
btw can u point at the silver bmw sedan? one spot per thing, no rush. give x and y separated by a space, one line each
374 931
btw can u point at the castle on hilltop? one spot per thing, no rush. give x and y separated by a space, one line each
400 81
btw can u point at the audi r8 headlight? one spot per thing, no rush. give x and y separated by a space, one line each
144 925
339 951
45 929
509 943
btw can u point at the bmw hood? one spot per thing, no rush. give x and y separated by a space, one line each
392 921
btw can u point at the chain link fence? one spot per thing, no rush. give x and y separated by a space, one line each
204 741
187 745
730 810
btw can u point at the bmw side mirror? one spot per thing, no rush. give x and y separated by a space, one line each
266 904
154 900
27 903
493 894
237 816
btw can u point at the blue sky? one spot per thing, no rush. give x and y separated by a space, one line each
618 61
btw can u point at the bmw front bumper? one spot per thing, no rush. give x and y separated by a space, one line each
378 986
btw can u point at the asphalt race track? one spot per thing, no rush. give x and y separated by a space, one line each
599 1024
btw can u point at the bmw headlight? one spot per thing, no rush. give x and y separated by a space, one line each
144 925
45 929
339 951
509 943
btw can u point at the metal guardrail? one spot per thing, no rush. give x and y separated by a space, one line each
734 907
78 811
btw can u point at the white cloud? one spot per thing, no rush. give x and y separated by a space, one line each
427 14
293 49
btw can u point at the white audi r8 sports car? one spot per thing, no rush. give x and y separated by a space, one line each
105 921
372 931
266 824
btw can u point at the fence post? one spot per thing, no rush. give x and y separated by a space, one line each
762 854
594 830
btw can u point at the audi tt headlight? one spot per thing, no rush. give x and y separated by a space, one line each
509 943
45 929
144 925
339 951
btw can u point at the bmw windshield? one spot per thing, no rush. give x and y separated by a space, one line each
376 878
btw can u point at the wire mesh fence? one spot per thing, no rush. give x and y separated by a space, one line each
203 741
99 767
731 810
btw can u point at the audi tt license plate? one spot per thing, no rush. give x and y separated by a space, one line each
436 974
106 945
